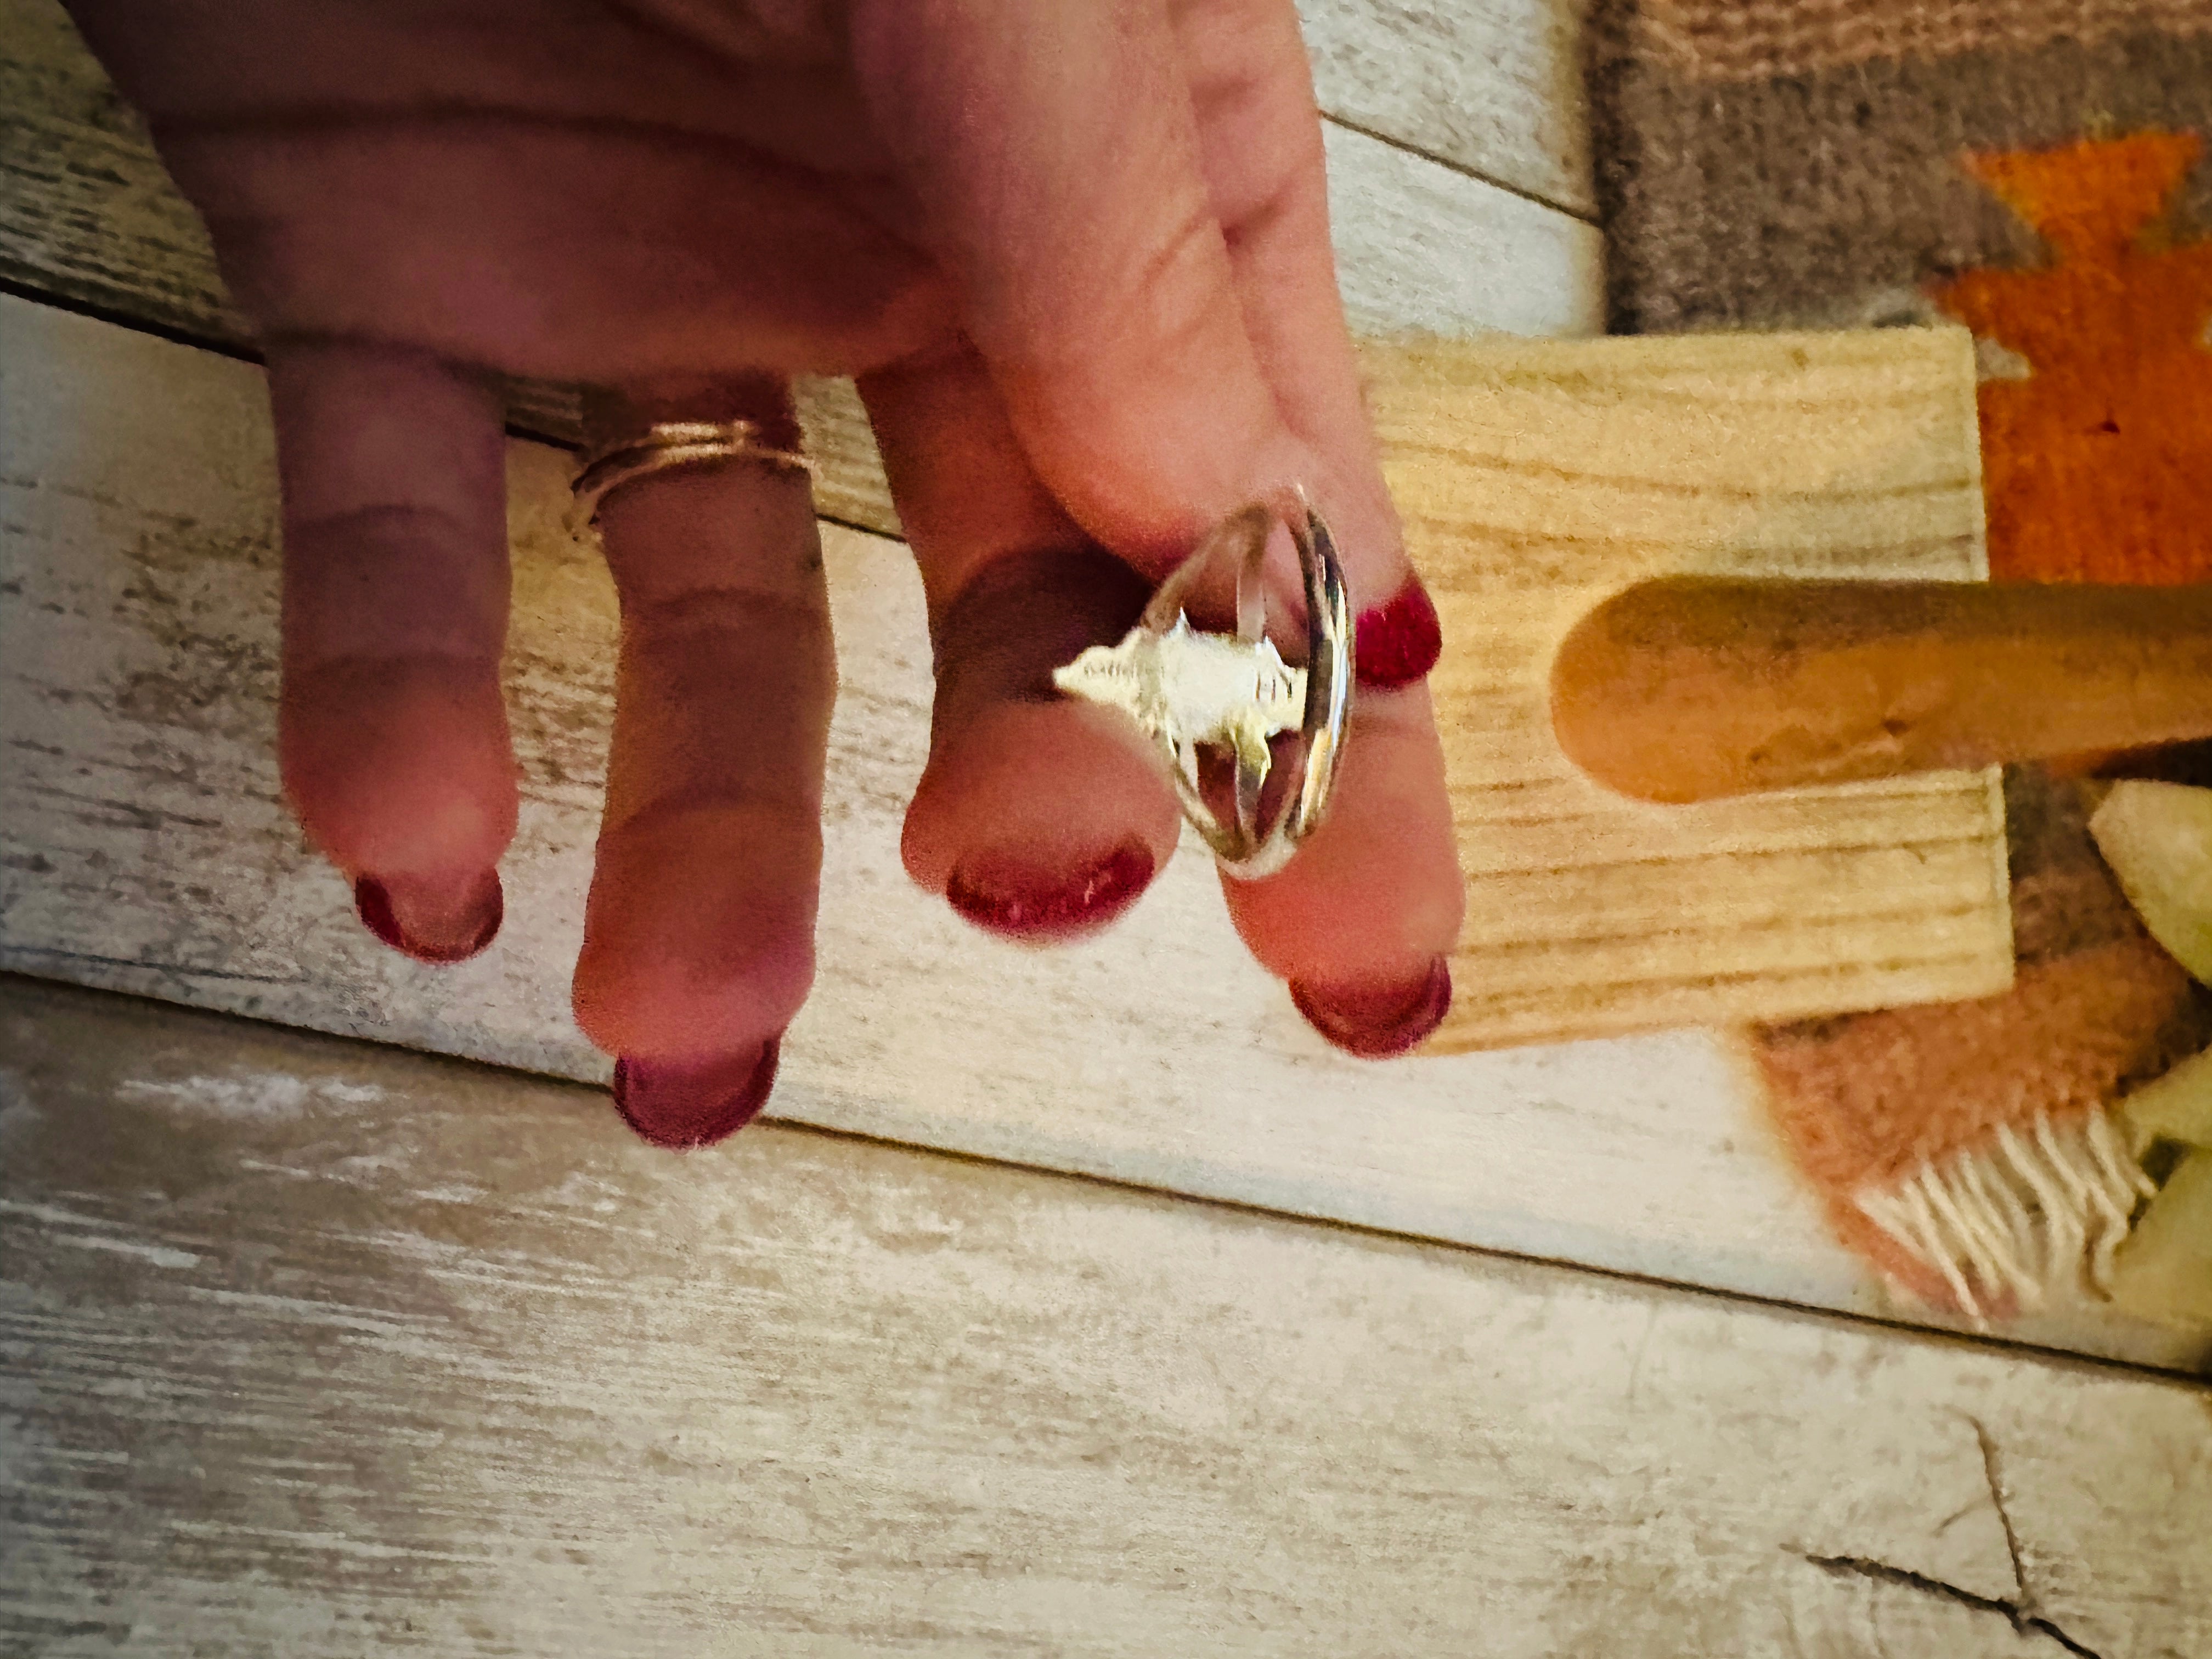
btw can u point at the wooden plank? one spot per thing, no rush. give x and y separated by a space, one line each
88 216
1537 478
314 1349
1419 248
144 847
1495 87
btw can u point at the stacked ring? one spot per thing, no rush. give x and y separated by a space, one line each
666 444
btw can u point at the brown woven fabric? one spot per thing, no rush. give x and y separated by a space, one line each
1864 1099
2032 168
1829 198
1709 41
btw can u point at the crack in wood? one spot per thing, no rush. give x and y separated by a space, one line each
1973 1506
2020 1592
2024 1620
179 970
1465 169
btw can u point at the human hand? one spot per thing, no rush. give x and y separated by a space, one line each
1076 256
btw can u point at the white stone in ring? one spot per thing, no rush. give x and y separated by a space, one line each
1185 687
1186 690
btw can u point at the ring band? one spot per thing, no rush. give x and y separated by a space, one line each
1188 691
667 444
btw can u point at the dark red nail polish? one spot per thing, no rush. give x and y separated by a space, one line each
1398 642
1034 911
1376 1022
682 1105
373 904
372 901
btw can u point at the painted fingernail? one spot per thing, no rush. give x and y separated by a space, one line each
682 1105
1399 642
438 933
1377 1021
1027 909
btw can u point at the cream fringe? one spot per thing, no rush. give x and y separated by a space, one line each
2034 1214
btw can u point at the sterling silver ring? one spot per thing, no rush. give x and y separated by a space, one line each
1190 691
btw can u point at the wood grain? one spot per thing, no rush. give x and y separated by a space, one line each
1536 479
88 216
143 847
317 1350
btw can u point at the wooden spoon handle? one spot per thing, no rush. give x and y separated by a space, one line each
1693 688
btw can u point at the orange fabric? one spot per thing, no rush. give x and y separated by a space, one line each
2098 467
1867 1099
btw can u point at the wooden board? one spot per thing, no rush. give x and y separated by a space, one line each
1492 86
88 215
1536 479
143 847
318 1350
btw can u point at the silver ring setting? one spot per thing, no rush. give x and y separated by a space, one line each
666 444
1189 691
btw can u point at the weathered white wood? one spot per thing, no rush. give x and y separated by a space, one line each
88 215
1421 248
85 209
144 847
1492 86
311 1349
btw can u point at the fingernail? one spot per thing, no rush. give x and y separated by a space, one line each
682 1105
1036 911
1376 1022
1398 642
438 932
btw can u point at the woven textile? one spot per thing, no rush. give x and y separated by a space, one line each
1799 163
2033 169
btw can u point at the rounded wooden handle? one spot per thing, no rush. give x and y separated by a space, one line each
1695 687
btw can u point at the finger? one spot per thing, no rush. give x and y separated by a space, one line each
563 250
1037 818
1056 154
1053 151
393 733
699 931
1260 142
1361 922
